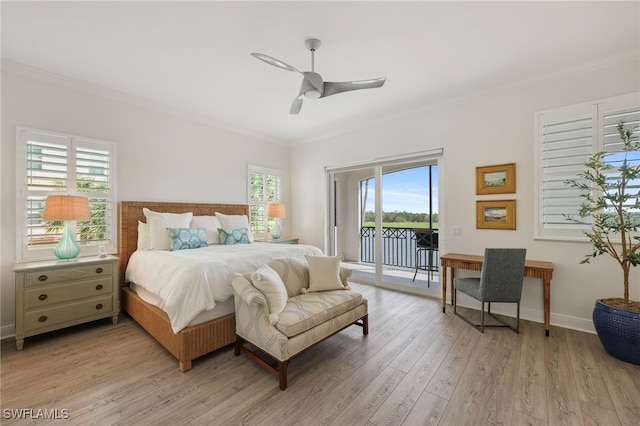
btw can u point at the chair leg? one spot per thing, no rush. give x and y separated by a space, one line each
454 296
430 268
480 327
504 323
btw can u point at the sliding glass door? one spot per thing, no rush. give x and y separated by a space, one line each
376 212
409 213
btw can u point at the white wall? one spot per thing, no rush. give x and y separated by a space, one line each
489 128
165 157
160 156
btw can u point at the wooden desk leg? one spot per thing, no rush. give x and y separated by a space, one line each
547 307
453 287
444 287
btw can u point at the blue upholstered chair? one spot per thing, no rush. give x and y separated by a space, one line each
500 281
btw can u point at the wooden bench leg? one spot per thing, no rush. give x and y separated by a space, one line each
238 346
282 373
365 324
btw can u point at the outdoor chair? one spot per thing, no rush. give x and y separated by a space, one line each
426 245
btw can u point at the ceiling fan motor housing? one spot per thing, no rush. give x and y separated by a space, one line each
312 44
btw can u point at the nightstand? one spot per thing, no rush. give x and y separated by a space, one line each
281 241
55 294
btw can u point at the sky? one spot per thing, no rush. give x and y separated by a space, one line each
406 190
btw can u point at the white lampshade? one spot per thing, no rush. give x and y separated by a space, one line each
66 207
277 210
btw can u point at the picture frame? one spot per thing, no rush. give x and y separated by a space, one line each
496 214
498 179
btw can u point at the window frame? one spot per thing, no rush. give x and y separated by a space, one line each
596 111
264 232
73 144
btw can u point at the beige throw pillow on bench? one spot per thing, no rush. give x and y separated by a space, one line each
324 274
270 284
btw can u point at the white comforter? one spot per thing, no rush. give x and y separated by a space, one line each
191 281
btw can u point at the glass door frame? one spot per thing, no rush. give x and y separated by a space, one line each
435 156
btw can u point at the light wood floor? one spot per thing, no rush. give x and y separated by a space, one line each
416 366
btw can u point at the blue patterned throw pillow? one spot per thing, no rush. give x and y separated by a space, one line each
234 236
187 238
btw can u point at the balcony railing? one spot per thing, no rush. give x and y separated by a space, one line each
398 247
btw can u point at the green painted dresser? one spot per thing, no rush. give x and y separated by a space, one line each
55 294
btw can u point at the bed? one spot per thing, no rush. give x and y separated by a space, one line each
191 341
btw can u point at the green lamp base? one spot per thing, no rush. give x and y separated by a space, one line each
68 248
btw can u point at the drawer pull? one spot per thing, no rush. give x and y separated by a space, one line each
99 306
42 297
99 287
43 318
42 278
98 270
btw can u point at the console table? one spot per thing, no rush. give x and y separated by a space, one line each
532 269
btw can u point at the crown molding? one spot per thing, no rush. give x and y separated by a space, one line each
92 89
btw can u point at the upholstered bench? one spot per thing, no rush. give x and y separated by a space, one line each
288 305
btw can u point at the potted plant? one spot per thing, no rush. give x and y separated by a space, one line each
611 210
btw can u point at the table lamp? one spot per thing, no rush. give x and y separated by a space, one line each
276 211
66 208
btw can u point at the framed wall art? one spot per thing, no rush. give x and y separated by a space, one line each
496 214
498 179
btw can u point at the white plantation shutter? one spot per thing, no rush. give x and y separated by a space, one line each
264 188
565 139
50 163
566 146
46 172
613 145
93 173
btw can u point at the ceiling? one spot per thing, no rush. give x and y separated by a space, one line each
194 57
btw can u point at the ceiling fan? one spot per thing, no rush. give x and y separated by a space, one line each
313 87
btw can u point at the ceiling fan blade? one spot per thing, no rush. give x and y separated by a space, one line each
275 62
332 88
296 105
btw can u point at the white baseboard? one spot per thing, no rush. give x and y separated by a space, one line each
7 331
558 320
573 323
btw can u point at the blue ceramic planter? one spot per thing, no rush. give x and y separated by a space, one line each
619 331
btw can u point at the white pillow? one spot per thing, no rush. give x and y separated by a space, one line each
235 221
211 225
158 224
271 285
324 273
143 236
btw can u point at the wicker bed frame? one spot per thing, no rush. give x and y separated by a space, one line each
191 342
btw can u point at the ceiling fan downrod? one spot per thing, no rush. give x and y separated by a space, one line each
312 44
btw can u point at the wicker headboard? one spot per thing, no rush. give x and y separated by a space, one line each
131 213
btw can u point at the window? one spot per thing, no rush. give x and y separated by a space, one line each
264 188
565 138
49 163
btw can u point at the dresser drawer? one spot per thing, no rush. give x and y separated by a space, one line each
52 276
50 317
53 294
